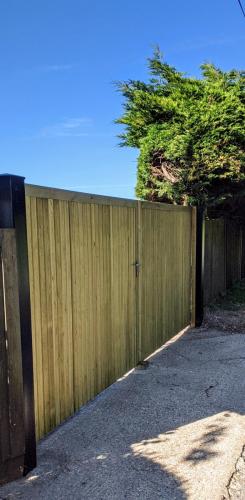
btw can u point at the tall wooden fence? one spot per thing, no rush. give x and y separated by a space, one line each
110 282
104 282
224 256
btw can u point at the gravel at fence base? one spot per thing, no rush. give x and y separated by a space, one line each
171 431
227 312
225 320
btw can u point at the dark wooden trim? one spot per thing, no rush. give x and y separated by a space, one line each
200 250
13 215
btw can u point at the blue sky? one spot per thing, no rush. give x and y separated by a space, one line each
59 59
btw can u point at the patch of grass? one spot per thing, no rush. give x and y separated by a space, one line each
233 299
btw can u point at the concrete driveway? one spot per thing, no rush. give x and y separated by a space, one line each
174 430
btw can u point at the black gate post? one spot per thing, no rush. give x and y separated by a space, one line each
13 215
200 251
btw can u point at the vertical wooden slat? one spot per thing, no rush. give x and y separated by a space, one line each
11 303
193 265
77 312
234 252
12 411
35 291
4 406
243 253
42 234
64 307
34 347
54 353
139 271
49 345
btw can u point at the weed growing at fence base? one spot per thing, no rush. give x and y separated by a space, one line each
233 299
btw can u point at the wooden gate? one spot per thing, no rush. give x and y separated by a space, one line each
110 281
166 259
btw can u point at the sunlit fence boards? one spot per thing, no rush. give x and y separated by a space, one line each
166 273
110 282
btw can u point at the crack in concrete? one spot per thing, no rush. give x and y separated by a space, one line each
210 388
235 487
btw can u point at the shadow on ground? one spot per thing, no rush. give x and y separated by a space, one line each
171 431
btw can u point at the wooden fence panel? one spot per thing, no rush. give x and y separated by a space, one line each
215 259
166 274
103 290
82 283
51 305
233 253
12 437
243 252
89 301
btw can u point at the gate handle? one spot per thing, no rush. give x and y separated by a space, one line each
137 268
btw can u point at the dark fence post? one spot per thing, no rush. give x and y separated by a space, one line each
200 251
13 215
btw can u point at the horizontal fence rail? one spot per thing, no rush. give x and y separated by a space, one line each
110 281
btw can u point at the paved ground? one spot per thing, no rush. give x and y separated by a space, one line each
236 486
172 431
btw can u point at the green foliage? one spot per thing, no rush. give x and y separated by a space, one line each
190 133
233 299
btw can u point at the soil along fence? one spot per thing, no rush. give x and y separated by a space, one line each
224 256
110 281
